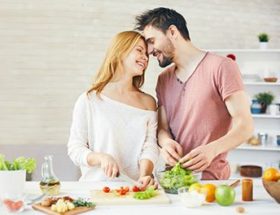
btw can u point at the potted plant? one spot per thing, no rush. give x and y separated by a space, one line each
264 99
13 174
263 39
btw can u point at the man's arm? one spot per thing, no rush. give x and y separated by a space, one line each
242 128
170 149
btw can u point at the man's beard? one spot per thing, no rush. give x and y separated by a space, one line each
165 61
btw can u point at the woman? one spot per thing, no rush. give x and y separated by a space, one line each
114 123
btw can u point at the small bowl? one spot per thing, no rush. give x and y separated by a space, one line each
251 171
190 199
273 189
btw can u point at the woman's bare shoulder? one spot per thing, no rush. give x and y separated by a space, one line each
149 101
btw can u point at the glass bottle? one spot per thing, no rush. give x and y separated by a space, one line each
49 184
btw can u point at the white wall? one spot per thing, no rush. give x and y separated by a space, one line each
49 50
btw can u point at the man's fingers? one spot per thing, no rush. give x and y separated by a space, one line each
202 168
197 165
179 150
191 162
173 153
192 154
168 158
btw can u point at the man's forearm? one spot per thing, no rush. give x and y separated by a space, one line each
240 132
163 134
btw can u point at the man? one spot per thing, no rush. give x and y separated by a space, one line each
203 109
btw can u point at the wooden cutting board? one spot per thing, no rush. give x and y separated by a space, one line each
47 210
101 198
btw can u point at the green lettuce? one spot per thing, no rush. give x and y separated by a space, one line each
177 177
20 163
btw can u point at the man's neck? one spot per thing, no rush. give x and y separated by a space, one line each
186 60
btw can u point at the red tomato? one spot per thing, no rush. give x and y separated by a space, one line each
122 192
106 189
126 189
135 189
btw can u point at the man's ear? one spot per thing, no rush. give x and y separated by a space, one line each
172 32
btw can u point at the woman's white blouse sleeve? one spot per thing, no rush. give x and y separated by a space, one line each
150 148
78 149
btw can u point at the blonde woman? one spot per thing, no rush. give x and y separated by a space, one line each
114 122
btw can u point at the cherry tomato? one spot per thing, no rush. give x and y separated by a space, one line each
135 189
106 189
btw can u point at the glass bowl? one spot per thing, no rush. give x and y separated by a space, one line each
190 199
171 185
13 204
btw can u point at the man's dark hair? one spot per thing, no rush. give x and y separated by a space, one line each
161 18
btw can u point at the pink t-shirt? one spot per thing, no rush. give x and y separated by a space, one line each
196 110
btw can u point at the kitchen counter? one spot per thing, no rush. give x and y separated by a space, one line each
262 204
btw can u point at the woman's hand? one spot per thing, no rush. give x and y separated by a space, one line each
147 181
109 165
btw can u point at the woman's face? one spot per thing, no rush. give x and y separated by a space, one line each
137 60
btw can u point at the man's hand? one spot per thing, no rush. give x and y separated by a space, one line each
199 158
171 151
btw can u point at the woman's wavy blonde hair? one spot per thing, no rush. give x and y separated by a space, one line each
120 47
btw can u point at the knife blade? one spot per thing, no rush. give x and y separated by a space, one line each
128 179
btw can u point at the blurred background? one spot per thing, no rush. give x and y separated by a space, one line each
50 50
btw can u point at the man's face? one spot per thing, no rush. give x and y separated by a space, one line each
159 45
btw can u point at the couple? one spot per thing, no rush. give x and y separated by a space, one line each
202 109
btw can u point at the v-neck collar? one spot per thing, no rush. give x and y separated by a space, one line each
184 83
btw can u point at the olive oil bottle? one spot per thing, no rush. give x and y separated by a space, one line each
49 184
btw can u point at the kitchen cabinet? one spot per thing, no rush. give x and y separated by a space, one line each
255 64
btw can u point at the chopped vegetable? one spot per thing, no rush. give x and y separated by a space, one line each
106 189
135 189
147 194
177 177
20 163
83 203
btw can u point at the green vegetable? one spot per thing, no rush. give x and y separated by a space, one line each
147 194
177 177
20 163
83 203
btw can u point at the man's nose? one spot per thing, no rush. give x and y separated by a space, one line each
150 49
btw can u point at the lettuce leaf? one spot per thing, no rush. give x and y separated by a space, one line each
20 163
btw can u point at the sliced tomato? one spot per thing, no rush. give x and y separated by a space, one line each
122 192
126 189
106 189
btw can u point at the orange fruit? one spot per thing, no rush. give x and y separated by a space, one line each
271 174
209 191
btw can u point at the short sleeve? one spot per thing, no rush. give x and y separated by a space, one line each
228 78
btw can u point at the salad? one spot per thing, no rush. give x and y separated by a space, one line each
176 178
20 163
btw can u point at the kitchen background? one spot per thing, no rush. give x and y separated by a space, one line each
50 50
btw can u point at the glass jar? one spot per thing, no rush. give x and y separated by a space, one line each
49 184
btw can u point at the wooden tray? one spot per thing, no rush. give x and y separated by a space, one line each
47 210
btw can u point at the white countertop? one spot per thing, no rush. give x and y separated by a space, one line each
262 204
